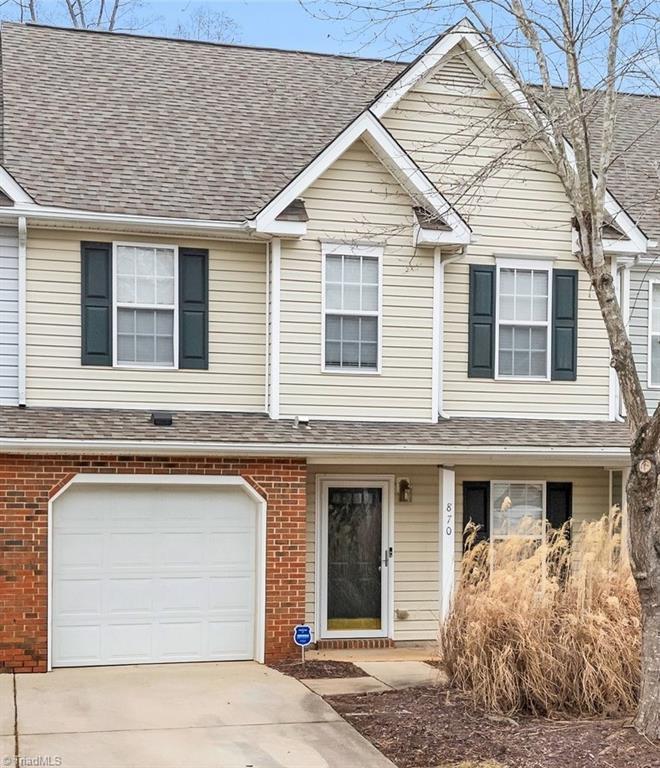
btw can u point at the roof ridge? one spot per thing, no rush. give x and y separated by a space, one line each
190 41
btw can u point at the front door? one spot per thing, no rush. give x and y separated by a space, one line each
355 559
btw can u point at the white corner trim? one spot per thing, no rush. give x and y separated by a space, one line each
367 127
22 310
13 189
275 318
497 70
200 480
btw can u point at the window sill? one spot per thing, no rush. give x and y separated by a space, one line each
352 371
502 377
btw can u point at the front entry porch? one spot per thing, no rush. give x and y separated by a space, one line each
384 543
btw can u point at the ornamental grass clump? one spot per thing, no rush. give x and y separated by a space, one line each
550 628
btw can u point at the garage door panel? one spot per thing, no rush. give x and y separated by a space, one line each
79 597
226 639
230 593
128 642
80 644
128 595
128 549
226 549
144 575
180 549
80 550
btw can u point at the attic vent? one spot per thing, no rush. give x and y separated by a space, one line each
428 220
161 419
295 211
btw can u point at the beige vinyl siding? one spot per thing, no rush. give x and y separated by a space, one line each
8 316
590 491
453 127
638 327
237 332
415 548
358 201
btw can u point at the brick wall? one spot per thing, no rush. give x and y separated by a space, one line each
28 482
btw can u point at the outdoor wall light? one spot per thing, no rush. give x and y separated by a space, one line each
405 490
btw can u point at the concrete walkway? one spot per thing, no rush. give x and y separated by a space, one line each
379 676
207 715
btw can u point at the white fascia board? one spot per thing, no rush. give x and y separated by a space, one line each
433 237
13 189
284 228
390 153
498 71
620 454
39 213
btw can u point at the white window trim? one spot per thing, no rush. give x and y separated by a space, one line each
542 483
373 251
650 334
539 266
175 307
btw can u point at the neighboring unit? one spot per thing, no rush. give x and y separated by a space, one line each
263 355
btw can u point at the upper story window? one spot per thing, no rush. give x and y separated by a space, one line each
654 334
145 305
523 321
351 319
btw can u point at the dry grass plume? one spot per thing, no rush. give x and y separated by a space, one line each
550 628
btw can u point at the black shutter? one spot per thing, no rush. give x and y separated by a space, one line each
559 503
476 506
96 303
481 332
193 308
564 324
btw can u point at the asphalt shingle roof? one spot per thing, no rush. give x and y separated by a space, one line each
252 428
129 124
121 123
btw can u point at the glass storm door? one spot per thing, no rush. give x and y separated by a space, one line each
355 560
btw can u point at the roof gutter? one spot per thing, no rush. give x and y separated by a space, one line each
58 445
37 213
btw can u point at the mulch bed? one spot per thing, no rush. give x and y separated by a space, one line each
432 726
315 669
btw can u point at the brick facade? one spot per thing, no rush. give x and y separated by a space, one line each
28 482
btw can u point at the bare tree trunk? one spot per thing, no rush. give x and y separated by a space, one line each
644 520
642 491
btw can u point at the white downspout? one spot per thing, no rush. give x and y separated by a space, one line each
22 316
275 303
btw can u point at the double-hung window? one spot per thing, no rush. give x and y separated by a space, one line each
145 305
523 320
654 334
351 319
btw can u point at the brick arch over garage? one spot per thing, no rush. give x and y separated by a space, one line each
28 483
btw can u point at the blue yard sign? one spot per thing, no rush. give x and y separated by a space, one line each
302 635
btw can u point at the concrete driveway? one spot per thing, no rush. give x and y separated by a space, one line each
228 715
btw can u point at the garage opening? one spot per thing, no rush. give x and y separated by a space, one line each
152 570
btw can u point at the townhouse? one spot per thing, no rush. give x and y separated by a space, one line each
271 336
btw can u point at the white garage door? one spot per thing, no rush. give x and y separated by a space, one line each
153 573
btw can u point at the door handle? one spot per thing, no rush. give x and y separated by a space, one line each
388 556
